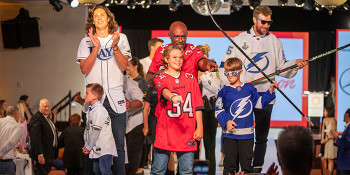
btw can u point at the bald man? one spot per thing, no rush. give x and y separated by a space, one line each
43 138
194 59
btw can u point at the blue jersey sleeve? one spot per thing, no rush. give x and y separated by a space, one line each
261 101
221 113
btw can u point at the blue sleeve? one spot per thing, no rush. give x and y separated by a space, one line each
261 101
344 141
222 115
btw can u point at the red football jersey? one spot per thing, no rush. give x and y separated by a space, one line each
192 55
176 123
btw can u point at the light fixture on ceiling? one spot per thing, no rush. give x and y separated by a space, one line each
282 2
254 3
147 4
237 4
174 5
330 5
309 5
299 3
56 5
73 3
318 7
155 1
131 4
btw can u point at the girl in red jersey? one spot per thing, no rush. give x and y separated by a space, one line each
178 113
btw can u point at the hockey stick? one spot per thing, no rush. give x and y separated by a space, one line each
295 65
284 95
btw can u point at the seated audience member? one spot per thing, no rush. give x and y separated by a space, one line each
24 122
72 139
3 106
295 151
28 113
343 143
10 132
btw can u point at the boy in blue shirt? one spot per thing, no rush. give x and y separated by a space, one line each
234 112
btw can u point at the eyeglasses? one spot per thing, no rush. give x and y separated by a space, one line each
227 74
264 22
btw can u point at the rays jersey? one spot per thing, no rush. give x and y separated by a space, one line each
177 122
98 135
237 103
266 51
192 55
105 70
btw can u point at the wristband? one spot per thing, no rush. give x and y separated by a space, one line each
171 98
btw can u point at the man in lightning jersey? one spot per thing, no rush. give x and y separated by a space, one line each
194 59
266 51
179 116
102 56
234 112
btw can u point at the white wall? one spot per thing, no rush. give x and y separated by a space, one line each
48 71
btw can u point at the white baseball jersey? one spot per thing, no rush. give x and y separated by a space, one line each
265 50
146 62
98 136
133 92
105 71
211 83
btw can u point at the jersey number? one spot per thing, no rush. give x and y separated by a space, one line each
176 111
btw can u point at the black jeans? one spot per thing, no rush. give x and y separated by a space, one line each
262 127
88 165
210 125
241 149
134 142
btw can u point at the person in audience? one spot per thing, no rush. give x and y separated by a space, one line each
210 85
24 122
343 144
295 150
329 124
43 138
103 56
134 124
3 106
135 72
26 100
72 140
98 137
10 133
153 44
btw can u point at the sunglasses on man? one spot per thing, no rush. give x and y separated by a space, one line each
264 22
235 74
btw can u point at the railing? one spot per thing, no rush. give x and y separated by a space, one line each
62 121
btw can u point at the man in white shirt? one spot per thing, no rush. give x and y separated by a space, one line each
153 44
10 133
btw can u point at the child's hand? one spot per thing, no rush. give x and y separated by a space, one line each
177 99
230 125
86 151
273 87
198 134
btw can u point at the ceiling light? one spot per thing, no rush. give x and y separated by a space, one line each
174 5
282 2
73 3
147 4
254 3
237 4
299 3
56 5
131 4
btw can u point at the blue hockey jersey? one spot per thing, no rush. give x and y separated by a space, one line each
237 103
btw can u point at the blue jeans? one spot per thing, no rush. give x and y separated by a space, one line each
118 130
103 165
161 158
7 166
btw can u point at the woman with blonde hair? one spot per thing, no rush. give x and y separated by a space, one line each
22 120
3 106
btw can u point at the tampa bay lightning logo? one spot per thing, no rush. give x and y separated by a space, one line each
104 54
344 81
261 60
241 107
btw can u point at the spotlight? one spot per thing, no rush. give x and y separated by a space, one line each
73 3
174 5
56 5
254 3
237 4
140 1
309 5
131 4
147 4
118 1
299 3
155 1
318 7
282 2
346 6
